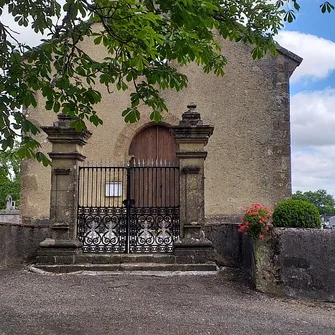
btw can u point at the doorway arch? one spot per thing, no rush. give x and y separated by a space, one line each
154 143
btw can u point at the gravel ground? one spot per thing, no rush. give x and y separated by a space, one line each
80 304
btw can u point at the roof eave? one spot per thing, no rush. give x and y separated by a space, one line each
289 54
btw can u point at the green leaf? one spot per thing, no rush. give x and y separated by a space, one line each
156 116
131 115
296 5
49 105
43 159
97 40
289 16
56 107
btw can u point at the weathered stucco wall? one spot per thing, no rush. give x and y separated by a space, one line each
294 262
248 154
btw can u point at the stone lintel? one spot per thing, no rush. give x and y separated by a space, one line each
191 169
67 155
191 154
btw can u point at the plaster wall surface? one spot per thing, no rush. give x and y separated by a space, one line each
248 154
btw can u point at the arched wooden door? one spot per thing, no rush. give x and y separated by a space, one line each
155 178
154 143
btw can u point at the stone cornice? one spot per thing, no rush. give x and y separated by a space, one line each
67 155
66 135
197 134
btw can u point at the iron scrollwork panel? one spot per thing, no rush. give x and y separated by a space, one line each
102 229
128 209
153 230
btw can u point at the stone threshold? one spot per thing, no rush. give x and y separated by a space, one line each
126 267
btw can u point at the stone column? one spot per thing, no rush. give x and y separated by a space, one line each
66 156
191 136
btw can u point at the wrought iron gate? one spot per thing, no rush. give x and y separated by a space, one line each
128 209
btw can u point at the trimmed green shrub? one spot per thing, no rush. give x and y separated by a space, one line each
296 214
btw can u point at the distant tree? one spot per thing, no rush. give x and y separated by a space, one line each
324 202
9 176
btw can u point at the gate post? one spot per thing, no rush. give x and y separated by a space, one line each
191 136
66 155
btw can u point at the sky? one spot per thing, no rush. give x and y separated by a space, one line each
312 89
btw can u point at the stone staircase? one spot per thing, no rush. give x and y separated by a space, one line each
122 262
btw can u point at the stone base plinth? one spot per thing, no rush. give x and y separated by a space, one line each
199 249
53 251
193 231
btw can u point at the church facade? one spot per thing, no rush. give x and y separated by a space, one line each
248 157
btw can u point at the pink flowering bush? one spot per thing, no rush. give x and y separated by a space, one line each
256 221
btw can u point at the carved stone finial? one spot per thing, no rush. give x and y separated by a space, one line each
191 117
64 121
191 107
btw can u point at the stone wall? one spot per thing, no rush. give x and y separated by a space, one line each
222 232
293 262
19 242
12 216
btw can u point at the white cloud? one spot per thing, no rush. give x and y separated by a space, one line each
313 169
313 140
318 54
313 118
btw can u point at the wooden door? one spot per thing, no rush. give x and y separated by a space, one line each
154 177
154 143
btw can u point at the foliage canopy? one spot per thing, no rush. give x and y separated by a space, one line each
324 202
296 214
142 39
9 176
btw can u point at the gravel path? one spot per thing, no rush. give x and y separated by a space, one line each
80 304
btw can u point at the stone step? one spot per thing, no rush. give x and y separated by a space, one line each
117 259
126 267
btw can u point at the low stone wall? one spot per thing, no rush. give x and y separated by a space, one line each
19 242
12 216
222 232
293 262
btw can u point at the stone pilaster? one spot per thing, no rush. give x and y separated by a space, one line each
191 136
66 156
